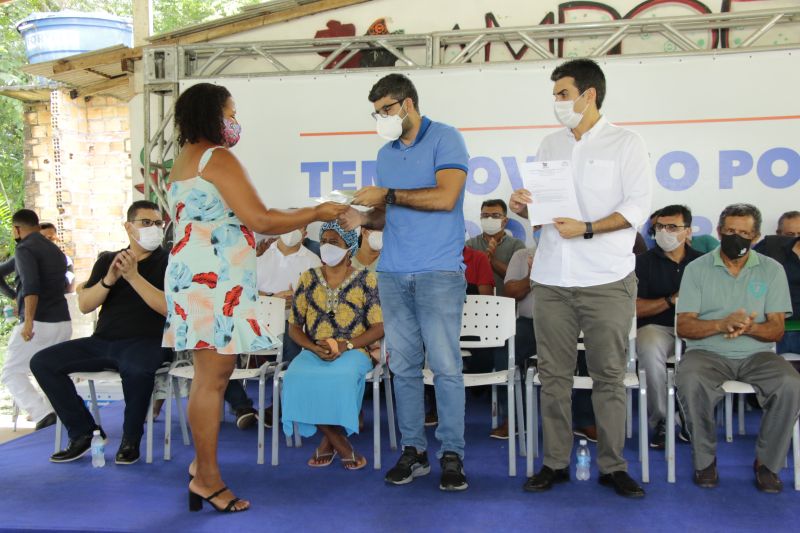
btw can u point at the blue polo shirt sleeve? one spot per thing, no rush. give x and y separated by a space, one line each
643 285
451 151
777 299
690 295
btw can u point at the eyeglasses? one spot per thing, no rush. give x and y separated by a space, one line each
146 222
743 234
671 228
492 215
384 111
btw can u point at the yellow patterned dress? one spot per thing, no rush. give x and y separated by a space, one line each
329 392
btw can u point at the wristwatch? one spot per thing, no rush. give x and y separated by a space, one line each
390 198
668 299
589 231
350 345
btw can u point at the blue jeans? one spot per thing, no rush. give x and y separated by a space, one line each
790 343
422 315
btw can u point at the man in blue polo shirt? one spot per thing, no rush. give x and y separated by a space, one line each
418 203
731 312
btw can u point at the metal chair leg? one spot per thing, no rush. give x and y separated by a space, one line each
670 445
261 393
741 414
729 417
149 433
376 422
523 449
95 408
532 431
387 388
168 421
644 448
181 414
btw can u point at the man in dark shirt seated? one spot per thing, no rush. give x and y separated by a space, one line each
659 271
43 312
129 285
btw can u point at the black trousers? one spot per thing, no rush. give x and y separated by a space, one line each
135 359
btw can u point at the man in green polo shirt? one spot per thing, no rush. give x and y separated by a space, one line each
731 311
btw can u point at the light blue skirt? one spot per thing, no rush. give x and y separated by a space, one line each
322 392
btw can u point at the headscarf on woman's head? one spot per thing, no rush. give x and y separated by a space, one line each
350 237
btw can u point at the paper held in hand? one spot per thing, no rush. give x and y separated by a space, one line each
553 192
340 197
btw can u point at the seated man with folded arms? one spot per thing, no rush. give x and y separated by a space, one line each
494 241
731 312
659 272
129 285
784 247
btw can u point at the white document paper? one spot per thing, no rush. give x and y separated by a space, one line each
340 197
553 191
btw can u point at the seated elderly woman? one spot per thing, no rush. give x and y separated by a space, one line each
335 316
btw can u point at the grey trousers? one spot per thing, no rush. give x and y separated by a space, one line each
654 344
604 313
699 382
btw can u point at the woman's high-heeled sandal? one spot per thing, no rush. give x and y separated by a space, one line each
196 502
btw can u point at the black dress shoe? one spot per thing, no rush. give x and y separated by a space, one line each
128 452
545 479
708 478
623 484
76 449
47 421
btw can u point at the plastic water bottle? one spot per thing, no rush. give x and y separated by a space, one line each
582 472
8 313
98 450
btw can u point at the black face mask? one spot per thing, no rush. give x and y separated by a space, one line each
734 246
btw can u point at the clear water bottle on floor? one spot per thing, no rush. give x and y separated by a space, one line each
582 472
98 450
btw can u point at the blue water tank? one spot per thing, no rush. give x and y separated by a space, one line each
50 36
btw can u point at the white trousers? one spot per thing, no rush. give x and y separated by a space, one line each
17 368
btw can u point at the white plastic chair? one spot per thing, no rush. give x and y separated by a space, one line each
112 376
492 320
730 388
633 380
380 372
272 313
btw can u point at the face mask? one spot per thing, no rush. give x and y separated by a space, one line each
375 240
292 238
331 255
566 115
667 241
150 238
390 127
491 226
734 246
231 132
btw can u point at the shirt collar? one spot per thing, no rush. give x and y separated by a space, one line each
423 129
752 259
594 130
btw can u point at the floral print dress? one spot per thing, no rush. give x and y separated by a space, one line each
210 284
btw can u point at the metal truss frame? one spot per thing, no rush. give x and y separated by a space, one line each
166 66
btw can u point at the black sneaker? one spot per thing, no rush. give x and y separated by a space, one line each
47 421
659 440
453 477
128 452
245 418
410 465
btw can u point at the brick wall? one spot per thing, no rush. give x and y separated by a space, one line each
78 172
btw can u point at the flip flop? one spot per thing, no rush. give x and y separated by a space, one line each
328 459
353 463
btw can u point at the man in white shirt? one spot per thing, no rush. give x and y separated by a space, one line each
583 274
278 269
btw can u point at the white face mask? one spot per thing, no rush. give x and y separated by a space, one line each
292 238
491 226
668 241
375 240
150 238
331 255
390 127
566 115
